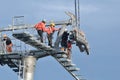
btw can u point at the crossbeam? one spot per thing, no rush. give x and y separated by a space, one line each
27 26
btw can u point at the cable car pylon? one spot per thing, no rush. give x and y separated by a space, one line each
24 62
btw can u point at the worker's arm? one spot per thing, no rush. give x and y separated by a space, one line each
55 29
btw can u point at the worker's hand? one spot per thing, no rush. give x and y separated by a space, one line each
35 27
59 29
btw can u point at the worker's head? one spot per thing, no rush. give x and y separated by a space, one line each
66 30
44 21
52 24
4 35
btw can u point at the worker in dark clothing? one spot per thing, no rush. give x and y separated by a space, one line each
72 35
40 27
50 30
64 39
8 43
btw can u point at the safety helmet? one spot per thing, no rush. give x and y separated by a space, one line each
52 24
44 20
66 29
4 35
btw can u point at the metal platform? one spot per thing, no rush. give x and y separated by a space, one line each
18 61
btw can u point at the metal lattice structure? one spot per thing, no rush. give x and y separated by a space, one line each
23 62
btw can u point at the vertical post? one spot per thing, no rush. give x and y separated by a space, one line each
79 13
13 24
30 62
2 47
76 14
19 77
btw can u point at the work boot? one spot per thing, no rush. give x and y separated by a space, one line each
50 45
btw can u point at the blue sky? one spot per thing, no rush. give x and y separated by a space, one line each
100 22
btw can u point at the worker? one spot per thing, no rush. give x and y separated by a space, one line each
69 47
40 27
72 35
50 30
8 43
64 40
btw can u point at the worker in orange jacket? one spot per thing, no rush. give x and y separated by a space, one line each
50 30
40 27
8 43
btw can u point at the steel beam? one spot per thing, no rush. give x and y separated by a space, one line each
27 26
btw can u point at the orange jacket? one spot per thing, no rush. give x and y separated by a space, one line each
40 26
51 29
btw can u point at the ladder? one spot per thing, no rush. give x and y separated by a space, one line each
67 64
21 70
14 64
